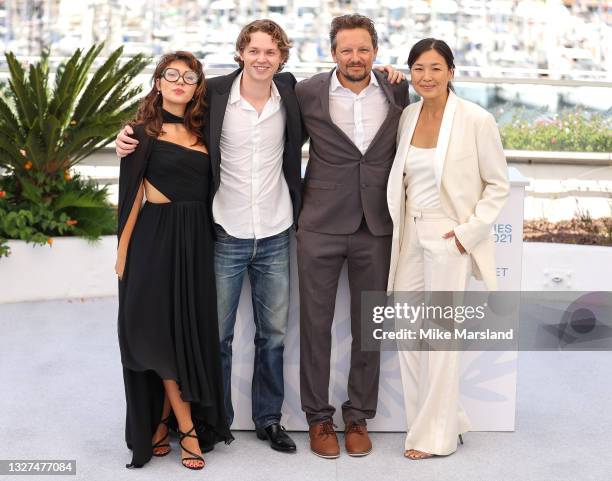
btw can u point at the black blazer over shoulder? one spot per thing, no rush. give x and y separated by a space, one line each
217 95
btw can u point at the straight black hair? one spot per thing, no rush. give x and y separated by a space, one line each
439 46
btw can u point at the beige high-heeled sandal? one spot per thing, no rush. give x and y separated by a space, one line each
417 455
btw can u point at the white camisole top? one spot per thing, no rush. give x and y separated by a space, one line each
420 180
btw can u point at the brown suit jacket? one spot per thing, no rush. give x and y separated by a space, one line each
341 185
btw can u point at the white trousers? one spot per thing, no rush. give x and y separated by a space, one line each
430 380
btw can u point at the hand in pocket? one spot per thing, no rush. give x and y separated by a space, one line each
450 234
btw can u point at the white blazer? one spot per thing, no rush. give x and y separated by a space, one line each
471 176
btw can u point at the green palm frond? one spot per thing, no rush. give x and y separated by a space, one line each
26 110
46 128
87 199
58 127
98 86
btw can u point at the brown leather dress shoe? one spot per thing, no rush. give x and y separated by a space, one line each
323 440
357 440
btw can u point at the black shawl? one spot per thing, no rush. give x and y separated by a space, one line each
131 173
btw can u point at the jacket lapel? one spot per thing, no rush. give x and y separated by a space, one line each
444 136
411 125
292 108
218 103
392 107
396 175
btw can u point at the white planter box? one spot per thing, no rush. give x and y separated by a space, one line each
566 267
72 267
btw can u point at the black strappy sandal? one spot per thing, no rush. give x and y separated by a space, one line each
194 456
163 442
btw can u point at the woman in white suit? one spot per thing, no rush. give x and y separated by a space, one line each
447 186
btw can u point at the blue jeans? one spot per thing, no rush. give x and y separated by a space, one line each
267 263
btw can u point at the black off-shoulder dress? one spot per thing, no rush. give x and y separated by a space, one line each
167 319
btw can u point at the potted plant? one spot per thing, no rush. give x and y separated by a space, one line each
44 131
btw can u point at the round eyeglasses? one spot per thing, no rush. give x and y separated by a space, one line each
172 75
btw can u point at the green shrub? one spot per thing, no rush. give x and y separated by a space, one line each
573 131
53 205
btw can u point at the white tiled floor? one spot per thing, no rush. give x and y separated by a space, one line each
62 398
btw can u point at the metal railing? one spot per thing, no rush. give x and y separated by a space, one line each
486 74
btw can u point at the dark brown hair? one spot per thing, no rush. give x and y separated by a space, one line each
266 26
349 22
439 46
150 110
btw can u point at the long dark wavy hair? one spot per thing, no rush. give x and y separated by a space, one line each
150 109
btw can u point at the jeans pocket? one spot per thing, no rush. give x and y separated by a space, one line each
220 233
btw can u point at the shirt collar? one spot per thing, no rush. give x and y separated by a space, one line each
235 91
335 83
275 95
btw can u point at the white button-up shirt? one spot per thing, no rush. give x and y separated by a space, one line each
359 116
253 198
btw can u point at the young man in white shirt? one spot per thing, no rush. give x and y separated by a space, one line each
255 138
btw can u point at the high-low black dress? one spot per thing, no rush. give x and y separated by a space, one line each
168 325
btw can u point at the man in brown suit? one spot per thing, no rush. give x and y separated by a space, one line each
351 115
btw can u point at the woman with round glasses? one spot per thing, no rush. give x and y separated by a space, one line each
168 331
